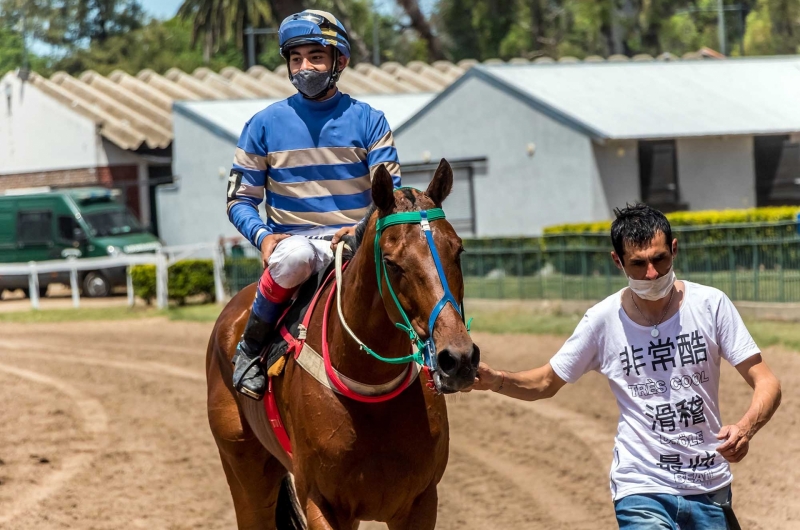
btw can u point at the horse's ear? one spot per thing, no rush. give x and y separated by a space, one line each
442 183
383 189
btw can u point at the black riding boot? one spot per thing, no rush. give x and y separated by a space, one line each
248 374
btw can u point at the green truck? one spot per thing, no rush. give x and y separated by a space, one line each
43 224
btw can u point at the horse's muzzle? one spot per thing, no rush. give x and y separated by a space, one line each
456 370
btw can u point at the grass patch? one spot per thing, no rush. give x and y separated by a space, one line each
520 321
192 313
765 333
195 313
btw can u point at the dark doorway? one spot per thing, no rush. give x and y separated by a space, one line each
658 175
777 161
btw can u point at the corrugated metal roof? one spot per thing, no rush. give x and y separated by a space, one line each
228 117
132 111
665 99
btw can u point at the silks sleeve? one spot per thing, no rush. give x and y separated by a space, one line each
381 149
246 183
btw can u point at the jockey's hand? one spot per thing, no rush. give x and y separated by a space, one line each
487 378
268 245
736 444
346 231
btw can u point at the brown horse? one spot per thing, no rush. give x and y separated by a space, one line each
352 461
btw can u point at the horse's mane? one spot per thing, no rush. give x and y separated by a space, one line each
362 227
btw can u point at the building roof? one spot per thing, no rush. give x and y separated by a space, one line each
132 111
651 100
227 118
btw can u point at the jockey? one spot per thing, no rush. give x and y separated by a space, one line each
313 156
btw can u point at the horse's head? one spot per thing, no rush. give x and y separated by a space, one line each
427 292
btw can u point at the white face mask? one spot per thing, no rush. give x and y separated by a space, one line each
653 289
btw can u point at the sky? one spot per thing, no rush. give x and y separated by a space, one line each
161 9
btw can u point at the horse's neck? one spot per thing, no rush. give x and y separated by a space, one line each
365 314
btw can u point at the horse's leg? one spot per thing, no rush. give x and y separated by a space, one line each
422 515
254 476
321 516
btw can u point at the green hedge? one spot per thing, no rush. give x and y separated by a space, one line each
709 241
184 279
704 218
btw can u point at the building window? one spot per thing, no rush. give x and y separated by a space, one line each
460 204
658 175
34 228
777 161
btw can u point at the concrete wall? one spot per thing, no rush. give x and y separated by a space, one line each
520 194
716 172
617 163
37 133
193 210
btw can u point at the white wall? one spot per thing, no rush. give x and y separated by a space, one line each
716 172
618 166
193 211
519 194
38 133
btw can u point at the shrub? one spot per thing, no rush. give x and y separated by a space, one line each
184 279
702 218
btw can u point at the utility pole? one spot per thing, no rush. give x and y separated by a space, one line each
251 42
376 45
721 26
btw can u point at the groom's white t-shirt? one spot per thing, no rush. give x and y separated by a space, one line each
666 388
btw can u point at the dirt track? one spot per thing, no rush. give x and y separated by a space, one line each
104 427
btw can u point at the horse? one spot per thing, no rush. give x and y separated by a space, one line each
356 459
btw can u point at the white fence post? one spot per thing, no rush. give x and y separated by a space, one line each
73 284
129 286
161 280
219 271
33 285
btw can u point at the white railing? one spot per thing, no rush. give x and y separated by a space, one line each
162 259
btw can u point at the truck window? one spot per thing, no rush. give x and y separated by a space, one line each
66 228
113 223
34 227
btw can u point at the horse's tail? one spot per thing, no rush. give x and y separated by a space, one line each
287 513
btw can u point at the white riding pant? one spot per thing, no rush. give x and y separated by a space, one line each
297 258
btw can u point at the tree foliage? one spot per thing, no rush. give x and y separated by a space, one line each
107 34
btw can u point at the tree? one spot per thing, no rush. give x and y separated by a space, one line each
158 46
218 21
73 23
423 28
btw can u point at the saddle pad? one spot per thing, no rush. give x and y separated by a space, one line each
277 347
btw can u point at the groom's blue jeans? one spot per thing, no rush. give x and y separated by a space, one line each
661 511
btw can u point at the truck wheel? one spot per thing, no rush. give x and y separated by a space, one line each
95 285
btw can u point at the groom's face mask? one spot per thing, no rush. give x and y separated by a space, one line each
649 268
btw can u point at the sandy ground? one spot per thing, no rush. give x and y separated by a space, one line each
104 427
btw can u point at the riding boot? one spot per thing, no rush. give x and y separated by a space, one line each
248 374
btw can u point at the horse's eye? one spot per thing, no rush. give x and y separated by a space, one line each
392 266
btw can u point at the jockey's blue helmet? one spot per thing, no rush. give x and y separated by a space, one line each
312 27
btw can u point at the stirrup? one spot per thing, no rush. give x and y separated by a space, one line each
237 383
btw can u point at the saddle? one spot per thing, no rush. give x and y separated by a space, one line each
290 327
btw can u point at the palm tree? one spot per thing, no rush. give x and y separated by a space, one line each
216 21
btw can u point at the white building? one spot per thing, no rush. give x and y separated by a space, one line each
544 144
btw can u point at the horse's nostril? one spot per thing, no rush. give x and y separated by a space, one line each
447 362
475 358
